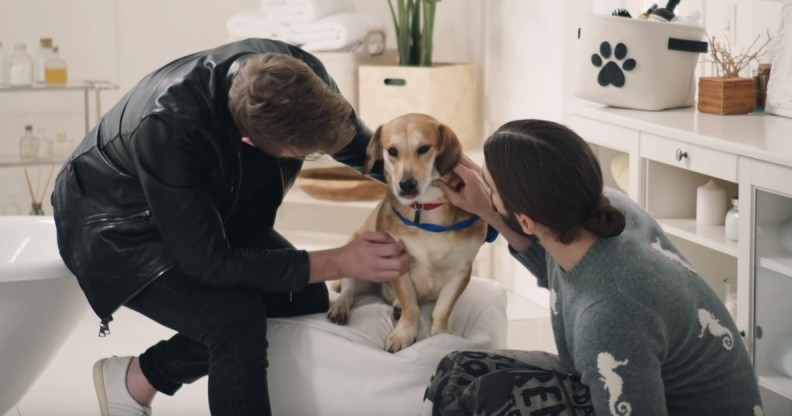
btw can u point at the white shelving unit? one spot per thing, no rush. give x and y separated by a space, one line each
91 91
88 88
673 152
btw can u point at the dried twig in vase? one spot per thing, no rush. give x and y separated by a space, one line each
36 202
730 65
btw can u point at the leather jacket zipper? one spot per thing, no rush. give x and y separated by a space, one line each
112 219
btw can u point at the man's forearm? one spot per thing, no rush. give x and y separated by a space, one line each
324 265
516 240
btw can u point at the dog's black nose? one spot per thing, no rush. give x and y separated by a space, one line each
409 186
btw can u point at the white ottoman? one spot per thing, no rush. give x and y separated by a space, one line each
317 368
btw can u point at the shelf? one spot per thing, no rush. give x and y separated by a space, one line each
88 85
710 236
15 161
776 260
777 383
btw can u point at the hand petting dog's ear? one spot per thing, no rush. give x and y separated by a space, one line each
473 195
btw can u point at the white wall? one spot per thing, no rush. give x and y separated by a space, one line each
518 45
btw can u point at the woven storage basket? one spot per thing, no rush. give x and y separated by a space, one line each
339 184
726 95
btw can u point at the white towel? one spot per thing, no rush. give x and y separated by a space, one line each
255 24
333 32
302 11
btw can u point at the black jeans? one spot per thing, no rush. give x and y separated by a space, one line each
223 333
220 333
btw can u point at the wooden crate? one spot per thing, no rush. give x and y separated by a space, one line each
447 92
726 95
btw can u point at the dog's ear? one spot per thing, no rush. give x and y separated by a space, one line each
449 152
373 151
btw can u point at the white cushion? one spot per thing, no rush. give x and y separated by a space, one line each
320 368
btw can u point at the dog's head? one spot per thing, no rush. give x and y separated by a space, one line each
416 149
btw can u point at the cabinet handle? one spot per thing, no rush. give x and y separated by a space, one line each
680 155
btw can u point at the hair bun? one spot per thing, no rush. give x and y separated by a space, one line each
606 220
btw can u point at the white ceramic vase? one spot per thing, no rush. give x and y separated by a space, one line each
710 204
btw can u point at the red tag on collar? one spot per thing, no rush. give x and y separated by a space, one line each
426 207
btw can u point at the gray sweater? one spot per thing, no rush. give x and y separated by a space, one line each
646 334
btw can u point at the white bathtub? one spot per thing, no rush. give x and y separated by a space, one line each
40 303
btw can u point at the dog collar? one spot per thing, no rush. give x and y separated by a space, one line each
492 233
418 207
426 207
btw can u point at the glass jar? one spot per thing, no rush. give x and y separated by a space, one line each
5 61
730 296
55 71
21 71
731 221
28 145
62 147
45 144
44 54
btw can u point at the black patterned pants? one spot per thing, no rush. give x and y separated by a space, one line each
509 383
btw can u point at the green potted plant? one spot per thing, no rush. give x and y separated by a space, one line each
414 24
446 91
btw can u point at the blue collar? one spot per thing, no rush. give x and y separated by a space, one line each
492 233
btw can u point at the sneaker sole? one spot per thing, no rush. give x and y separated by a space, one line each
101 393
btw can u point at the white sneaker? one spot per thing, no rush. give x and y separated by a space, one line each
109 375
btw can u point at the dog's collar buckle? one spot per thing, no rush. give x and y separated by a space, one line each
418 207
427 206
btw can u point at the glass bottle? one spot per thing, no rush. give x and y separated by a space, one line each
5 62
730 296
28 145
21 72
731 220
55 69
45 144
44 54
62 147
664 14
11 207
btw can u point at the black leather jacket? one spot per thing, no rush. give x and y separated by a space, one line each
153 184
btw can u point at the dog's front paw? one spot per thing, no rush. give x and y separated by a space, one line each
438 329
401 337
339 312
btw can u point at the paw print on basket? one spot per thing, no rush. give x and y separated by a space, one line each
611 73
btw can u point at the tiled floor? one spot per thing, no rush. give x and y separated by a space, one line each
66 388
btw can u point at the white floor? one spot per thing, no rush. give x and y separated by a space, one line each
66 387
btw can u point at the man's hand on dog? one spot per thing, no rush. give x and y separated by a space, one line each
374 256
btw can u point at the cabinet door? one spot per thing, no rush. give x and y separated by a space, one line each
769 286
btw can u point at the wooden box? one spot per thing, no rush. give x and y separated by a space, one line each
447 92
726 95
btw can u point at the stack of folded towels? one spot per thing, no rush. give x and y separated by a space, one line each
314 25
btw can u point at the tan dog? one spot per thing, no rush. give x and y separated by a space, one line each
417 149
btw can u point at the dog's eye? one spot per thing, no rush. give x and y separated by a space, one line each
423 149
393 152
